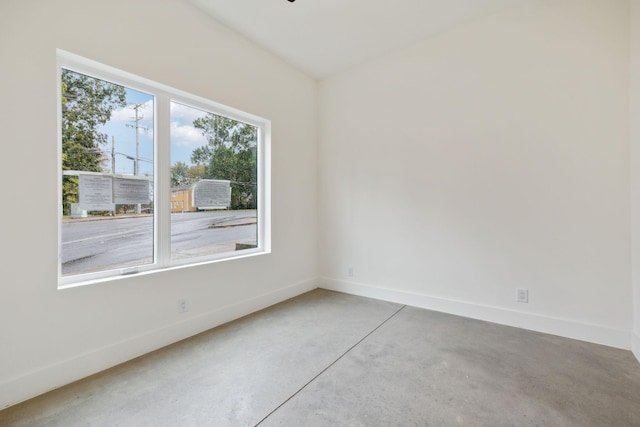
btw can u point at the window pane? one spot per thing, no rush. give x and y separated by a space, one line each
107 175
214 190
108 200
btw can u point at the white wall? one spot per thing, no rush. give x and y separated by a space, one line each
635 168
50 337
492 157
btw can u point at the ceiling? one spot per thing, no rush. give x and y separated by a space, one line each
321 37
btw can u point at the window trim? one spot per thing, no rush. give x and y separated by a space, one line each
163 96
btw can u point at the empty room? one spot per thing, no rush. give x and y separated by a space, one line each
320 213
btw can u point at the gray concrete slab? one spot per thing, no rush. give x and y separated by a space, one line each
233 375
424 368
330 359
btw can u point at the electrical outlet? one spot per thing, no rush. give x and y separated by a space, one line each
522 295
183 307
349 271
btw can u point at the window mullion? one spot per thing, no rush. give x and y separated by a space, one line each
163 179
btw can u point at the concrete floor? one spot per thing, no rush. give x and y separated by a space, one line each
329 359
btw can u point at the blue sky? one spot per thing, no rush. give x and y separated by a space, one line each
184 137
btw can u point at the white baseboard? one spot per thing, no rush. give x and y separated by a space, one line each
551 325
39 381
635 345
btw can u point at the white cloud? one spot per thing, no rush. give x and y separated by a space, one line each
127 114
183 134
186 135
184 113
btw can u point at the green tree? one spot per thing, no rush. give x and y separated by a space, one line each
183 174
231 154
201 155
87 104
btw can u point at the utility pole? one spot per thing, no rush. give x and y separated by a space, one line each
113 155
136 126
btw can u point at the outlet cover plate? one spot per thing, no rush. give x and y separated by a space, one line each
522 295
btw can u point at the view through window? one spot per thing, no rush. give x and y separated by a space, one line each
107 175
213 183
209 184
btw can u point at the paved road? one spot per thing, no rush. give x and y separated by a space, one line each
91 245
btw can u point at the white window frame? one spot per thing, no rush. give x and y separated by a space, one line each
163 96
